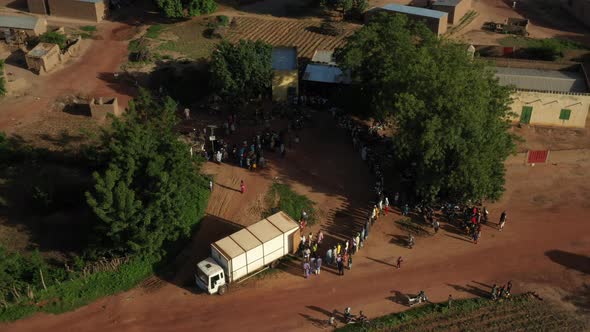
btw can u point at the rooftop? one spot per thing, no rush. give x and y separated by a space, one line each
284 58
323 56
325 74
209 266
450 3
40 50
414 11
18 22
542 80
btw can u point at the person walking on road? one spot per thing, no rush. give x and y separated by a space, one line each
436 226
386 205
406 210
399 262
242 187
502 220
306 268
211 185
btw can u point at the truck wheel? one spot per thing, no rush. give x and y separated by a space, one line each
274 264
222 290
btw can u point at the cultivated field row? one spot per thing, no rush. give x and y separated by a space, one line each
301 34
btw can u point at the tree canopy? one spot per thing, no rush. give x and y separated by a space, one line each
242 70
179 8
450 113
151 191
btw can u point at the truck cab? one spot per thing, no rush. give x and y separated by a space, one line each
210 277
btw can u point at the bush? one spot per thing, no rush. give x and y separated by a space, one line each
223 20
154 31
281 197
201 7
53 37
88 28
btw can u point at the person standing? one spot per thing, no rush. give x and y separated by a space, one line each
399 262
318 265
396 198
358 242
450 301
350 262
386 205
187 114
340 265
406 210
367 228
211 185
242 187
502 220
380 206
329 256
306 268
320 237
436 226
338 249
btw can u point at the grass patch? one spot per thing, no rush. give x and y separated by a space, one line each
521 312
191 40
78 292
154 31
525 42
281 197
88 28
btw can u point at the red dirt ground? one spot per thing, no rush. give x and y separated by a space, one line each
545 244
90 75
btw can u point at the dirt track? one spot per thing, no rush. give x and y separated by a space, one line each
546 242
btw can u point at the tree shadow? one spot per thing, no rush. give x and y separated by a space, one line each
79 109
399 240
570 260
320 323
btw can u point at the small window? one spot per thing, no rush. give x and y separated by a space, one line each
565 114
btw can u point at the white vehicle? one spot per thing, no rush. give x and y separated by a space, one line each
248 251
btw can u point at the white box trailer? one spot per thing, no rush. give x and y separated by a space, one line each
247 251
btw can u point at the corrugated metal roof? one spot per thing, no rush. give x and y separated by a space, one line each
325 74
323 56
18 22
542 80
450 3
414 11
284 58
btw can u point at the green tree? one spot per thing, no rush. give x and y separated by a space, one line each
201 7
2 80
242 70
171 8
150 192
450 112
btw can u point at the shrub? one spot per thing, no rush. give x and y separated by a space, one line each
154 31
281 197
53 37
88 28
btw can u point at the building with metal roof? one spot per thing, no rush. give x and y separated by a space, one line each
455 8
435 20
285 81
325 74
323 56
547 97
30 25
542 80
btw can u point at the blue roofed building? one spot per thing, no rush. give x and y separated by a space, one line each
435 20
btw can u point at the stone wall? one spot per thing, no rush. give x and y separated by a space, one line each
101 107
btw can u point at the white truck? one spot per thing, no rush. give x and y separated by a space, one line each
248 251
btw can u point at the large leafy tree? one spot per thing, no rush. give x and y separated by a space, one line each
178 8
242 70
450 113
150 192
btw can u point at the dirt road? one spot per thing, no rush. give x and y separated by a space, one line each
91 75
546 243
